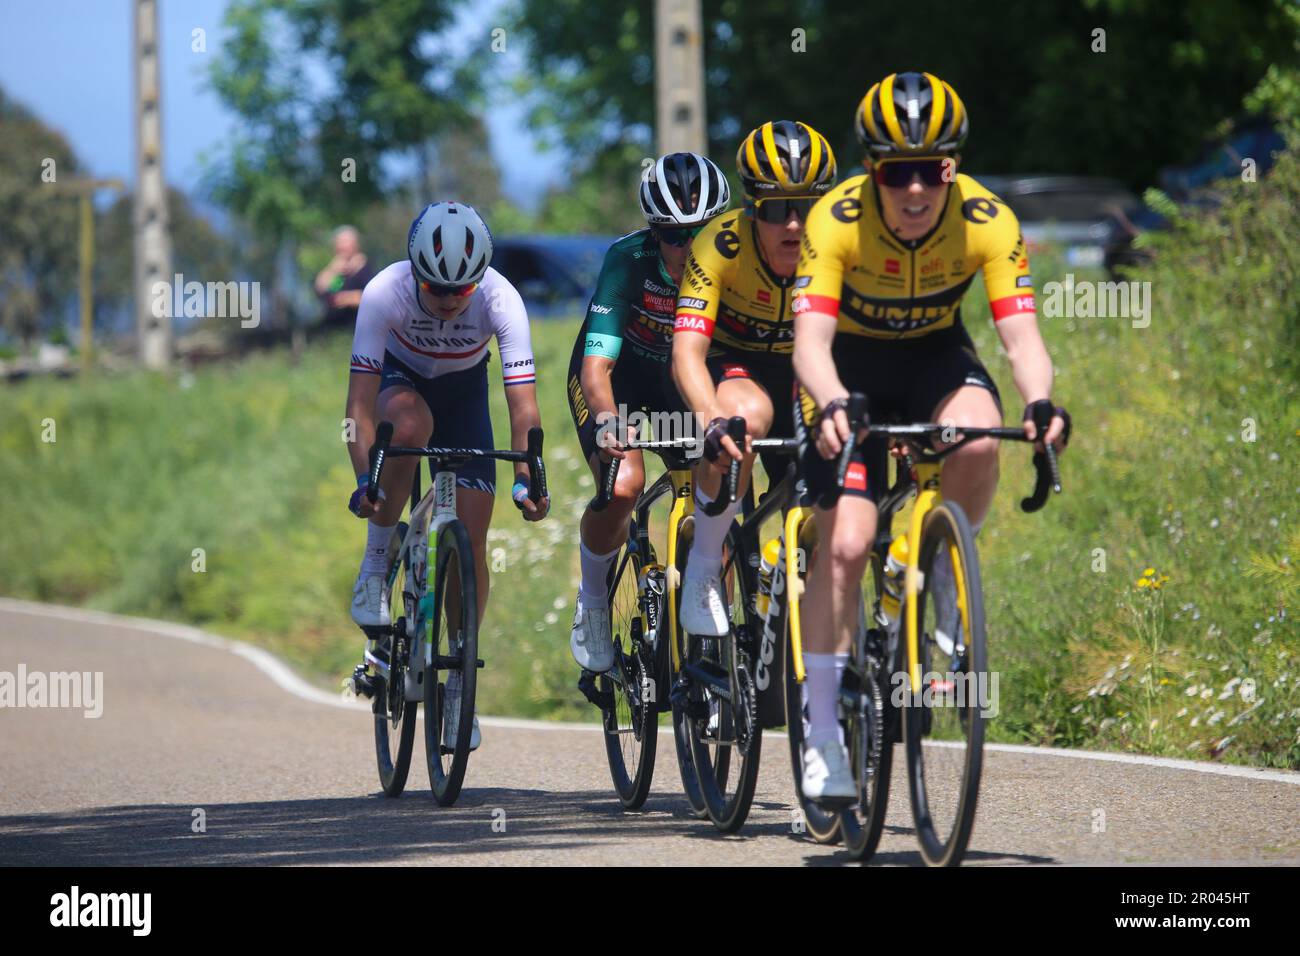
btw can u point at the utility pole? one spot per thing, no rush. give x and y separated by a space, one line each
679 77
153 254
84 190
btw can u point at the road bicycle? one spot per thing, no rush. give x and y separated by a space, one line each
723 691
907 679
429 654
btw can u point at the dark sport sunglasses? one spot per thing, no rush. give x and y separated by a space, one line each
898 173
676 236
778 209
443 291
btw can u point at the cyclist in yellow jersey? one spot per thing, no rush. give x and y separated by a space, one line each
733 332
886 259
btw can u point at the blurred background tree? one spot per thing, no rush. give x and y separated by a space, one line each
38 240
1040 98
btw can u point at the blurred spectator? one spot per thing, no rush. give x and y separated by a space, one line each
340 283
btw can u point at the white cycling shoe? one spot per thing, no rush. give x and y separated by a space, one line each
703 612
451 715
590 640
826 772
370 600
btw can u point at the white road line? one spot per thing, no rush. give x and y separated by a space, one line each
288 681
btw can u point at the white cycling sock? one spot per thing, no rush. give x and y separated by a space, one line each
377 540
595 575
822 687
710 533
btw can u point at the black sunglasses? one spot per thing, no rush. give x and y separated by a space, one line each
898 173
677 236
777 209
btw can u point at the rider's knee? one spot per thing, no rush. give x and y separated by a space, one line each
982 453
849 554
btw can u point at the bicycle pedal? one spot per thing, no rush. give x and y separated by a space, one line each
361 684
602 700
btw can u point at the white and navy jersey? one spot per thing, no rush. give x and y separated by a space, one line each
391 319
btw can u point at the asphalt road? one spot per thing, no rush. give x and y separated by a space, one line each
196 728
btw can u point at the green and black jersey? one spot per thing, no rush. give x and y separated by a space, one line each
633 304
630 322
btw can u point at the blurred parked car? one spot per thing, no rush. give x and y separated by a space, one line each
556 275
1076 212
1189 186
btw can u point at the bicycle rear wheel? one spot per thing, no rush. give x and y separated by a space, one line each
726 741
395 716
631 724
944 728
451 651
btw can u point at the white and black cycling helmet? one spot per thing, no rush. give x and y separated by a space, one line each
683 189
449 245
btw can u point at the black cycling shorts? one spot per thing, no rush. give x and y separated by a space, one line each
904 381
775 375
639 385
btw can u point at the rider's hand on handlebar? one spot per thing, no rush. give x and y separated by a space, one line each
359 504
833 430
719 450
1054 430
608 444
532 511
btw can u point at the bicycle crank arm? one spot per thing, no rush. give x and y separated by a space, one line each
707 677
443 662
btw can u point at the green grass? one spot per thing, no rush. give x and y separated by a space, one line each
246 462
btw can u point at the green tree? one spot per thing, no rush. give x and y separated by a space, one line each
38 254
1041 95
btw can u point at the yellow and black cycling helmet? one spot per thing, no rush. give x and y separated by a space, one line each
911 114
785 157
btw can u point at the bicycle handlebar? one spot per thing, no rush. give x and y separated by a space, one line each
1046 464
382 450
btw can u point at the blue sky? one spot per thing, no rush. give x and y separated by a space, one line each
69 62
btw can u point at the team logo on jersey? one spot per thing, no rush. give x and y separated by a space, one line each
1023 281
692 323
855 477
802 282
847 210
688 303
657 303
892 266
764 296
727 243
978 210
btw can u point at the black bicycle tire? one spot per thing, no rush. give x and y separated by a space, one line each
681 741
934 851
453 539
632 789
728 814
393 772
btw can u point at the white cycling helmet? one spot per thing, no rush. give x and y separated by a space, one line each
683 189
449 244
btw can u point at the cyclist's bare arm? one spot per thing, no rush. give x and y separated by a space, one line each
815 369
521 403
597 391
363 392
1031 365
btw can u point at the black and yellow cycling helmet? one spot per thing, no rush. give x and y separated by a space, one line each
911 114
785 157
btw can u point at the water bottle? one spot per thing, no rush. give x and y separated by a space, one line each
895 568
767 564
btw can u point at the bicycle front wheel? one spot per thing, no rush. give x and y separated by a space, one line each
944 724
682 699
451 664
631 724
726 740
395 715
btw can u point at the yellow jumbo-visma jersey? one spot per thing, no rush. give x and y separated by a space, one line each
853 267
729 293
